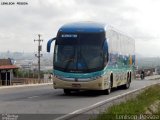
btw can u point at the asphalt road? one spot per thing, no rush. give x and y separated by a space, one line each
46 100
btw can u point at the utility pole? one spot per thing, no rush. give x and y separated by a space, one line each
39 55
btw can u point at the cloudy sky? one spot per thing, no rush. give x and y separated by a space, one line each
20 24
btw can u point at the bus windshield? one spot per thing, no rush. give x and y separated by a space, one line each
79 54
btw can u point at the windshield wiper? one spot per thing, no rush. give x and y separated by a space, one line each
68 63
82 61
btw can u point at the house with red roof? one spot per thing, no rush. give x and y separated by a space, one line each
6 71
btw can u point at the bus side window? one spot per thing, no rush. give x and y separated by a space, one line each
105 52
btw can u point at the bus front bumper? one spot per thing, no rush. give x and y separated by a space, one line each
96 84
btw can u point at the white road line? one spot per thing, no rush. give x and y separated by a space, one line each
100 103
92 106
32 97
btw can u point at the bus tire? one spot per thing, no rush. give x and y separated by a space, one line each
67 91
127 85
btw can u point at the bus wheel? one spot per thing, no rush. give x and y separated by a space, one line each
127 85
108 91
67 91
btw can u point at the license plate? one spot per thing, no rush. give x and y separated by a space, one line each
76 85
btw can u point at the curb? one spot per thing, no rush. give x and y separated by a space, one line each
26 85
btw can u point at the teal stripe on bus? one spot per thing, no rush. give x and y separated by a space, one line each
90 75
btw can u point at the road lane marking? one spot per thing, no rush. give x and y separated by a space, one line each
92 106
32 97
103 101
79 111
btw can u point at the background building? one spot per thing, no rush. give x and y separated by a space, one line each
6 71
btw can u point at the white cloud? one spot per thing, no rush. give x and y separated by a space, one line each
138 18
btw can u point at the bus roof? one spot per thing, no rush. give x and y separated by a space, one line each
83 27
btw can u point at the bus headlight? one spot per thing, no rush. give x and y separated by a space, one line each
97 77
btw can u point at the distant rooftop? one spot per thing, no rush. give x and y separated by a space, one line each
6 64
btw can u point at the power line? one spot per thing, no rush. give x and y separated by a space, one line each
39 55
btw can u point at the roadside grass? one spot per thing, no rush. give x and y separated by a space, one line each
134 106
159 110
